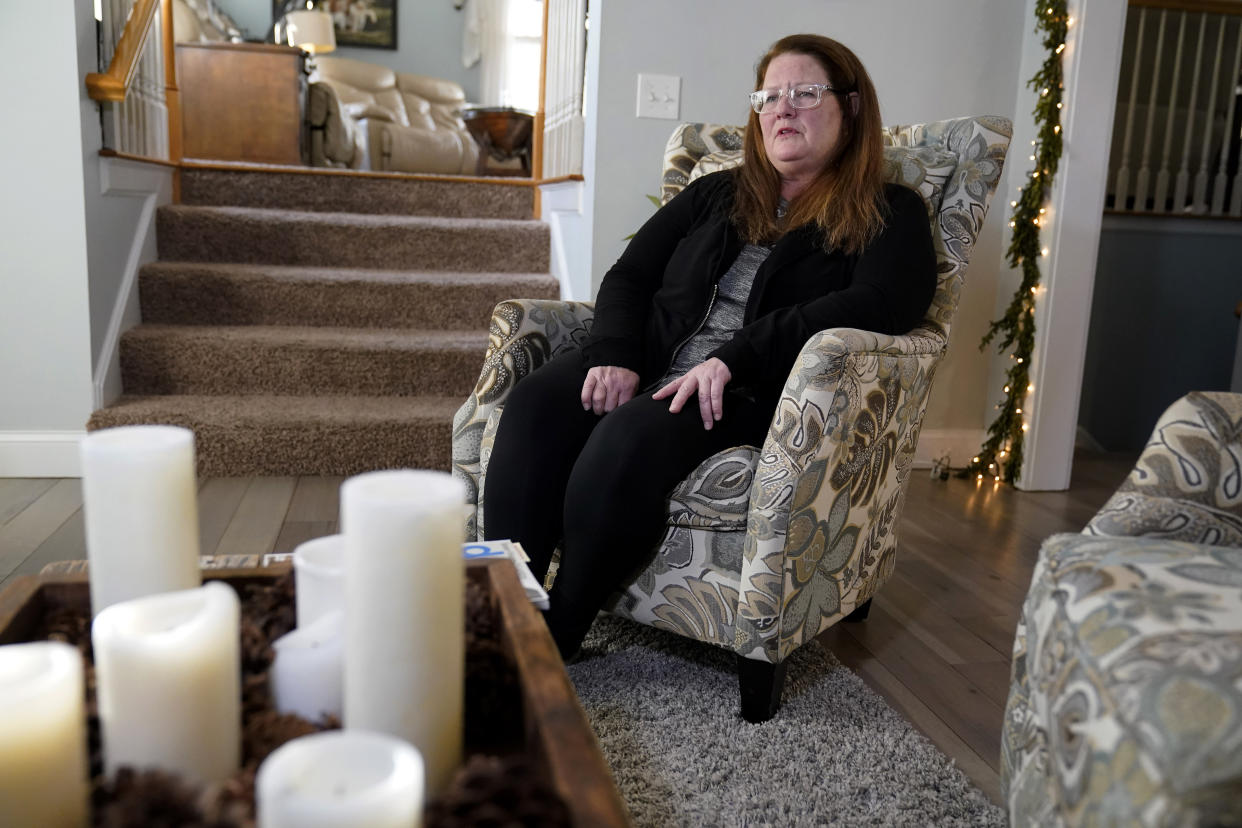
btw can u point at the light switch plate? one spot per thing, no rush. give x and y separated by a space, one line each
659 96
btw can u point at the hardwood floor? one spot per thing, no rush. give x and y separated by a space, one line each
938 642
936 646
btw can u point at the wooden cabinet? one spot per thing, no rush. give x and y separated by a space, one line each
242 102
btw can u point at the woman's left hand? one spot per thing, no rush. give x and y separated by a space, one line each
708 380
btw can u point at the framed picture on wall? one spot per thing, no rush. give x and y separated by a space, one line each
368 23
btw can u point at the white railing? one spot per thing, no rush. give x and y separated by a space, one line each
563 124
1176 132
137 125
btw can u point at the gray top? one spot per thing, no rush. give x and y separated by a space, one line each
724 316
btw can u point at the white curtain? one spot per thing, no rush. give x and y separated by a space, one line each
486 42
504 36
472 31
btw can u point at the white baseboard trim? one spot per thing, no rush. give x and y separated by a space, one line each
960 444
561 203
40 453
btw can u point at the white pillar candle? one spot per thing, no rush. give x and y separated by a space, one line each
308 670
405 612
168 682
319 578
140 502
341 779
42 736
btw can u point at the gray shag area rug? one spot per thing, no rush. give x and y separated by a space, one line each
665 711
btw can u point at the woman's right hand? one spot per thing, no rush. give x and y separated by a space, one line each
606 387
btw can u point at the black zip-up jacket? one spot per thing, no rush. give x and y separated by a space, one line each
660 290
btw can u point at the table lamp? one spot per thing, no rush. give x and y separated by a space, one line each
310 30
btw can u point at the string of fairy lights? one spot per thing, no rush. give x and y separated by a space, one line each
1001 455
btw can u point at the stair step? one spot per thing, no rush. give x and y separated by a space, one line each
296 435
344 192
284 237
323 323
208 293
197 359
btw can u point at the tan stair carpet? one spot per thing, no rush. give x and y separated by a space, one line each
394 195
196 359
324 324
301 435
209 293
294 237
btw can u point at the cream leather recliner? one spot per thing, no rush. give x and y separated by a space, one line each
197 21
367 117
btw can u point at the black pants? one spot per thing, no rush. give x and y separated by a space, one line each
600 483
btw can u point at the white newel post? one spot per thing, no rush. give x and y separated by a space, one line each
1092 65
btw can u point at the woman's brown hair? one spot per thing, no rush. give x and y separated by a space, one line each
846 199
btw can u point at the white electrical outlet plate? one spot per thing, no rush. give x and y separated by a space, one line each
659 96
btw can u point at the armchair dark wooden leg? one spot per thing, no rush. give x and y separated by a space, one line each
761 683
859 614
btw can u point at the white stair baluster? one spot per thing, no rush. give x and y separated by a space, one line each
576 77
140 91
1182 182
125 114
553 152
1200 204
1143 180
165 126
1222 177
1121 189
1162 177
159 108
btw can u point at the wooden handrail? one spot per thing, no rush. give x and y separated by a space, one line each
172 92
536 152
1210 6
114 84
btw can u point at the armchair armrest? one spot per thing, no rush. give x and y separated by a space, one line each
830 483
523 335
1184 485
332 129
369 109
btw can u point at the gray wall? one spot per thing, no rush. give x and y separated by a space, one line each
929 61
110 228
45 355
429 36
66 246
1162 322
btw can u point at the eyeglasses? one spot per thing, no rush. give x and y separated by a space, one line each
801 96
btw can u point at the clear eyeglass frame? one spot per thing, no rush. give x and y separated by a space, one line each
801 96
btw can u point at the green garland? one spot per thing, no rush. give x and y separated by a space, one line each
1001 455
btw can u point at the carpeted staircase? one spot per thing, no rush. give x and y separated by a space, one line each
323 324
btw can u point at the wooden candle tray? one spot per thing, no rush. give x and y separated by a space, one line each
556 731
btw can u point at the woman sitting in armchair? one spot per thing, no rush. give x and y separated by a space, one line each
710 304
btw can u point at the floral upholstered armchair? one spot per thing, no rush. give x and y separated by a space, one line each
767 546
1125 700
